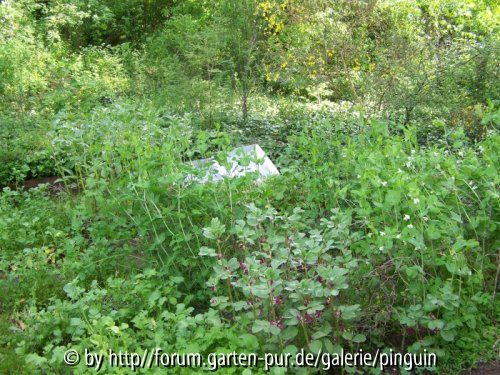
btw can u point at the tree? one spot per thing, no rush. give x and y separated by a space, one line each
243 35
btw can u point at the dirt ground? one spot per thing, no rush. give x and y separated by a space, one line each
492 368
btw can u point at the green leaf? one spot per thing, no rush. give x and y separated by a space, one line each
261 290
260 325
435 324
392 197
76 322
349 312
153 297
448 335
347 335
160 239
329 347
456 217
72 290
249 342
35 359
240 305
289 333
215 230
413 271
359 338
315 346
207 251
292 349
322 332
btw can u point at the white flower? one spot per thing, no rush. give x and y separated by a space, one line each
410 226
382 234
381 248
416 200
358 176
398 236
412 152
425 218
383 183
406 218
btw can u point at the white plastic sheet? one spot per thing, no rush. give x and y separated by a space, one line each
240 161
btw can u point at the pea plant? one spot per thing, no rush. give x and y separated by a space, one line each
286 282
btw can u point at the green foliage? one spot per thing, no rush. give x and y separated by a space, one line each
144 311
416 243
410 228
380 232
287 284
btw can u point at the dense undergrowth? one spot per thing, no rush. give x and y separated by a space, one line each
392 240
380 233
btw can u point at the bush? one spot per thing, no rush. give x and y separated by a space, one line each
394 253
